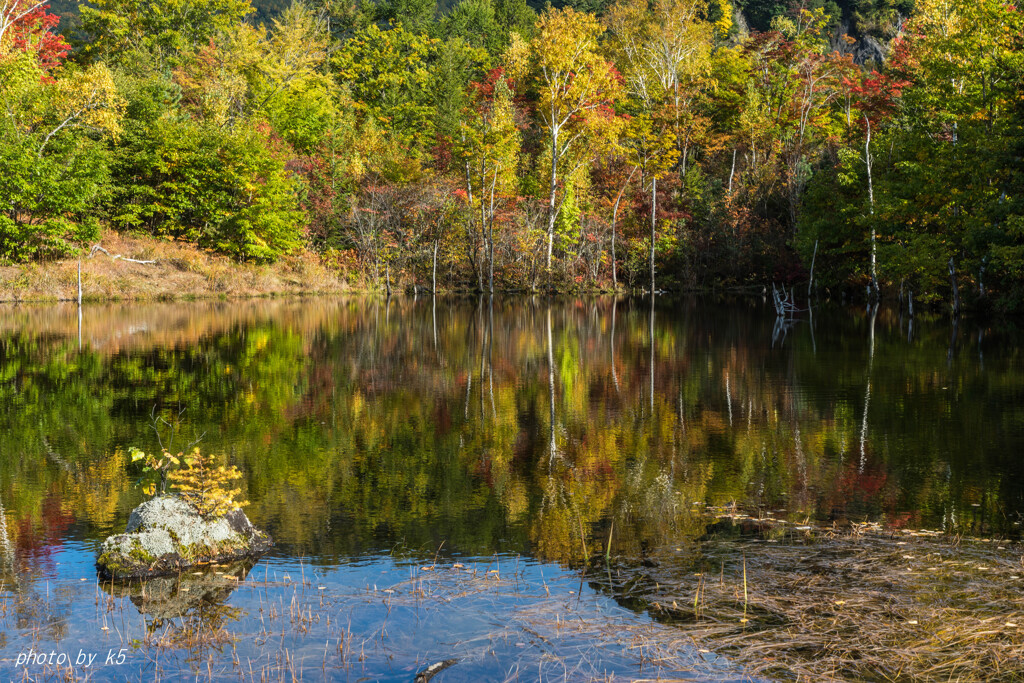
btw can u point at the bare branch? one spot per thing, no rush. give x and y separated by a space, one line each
96 247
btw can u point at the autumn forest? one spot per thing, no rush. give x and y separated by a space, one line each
868 148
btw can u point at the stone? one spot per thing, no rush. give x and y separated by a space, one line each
165 535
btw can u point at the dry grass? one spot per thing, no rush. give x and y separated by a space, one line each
181 271
861 604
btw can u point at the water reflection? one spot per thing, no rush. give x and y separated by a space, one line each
559 429
196 598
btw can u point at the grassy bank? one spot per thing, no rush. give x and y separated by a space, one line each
178 271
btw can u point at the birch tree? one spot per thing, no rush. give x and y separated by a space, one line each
576 89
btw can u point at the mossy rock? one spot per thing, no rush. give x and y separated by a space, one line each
166 534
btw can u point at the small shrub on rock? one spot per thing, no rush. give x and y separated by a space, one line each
205 486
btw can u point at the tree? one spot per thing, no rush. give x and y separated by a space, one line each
576 90
224 190
387 72
489 147
164 29
26 26
653 152
247 74
53 164
664 51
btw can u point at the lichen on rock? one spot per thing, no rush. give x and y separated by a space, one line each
166 534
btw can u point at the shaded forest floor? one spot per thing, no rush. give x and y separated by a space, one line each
178 271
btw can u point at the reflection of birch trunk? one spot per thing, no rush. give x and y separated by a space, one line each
728 397
433 314
867 392
652 351
5 539
56 458
483 355
490 355
615 374
551 386
952 341
682 417
469 379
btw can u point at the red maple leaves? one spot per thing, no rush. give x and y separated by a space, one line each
33 30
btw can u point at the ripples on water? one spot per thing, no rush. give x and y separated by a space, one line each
378 439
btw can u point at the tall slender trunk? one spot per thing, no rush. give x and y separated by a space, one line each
615 273
615 215
654 222
869 162
981 277
810 282
469 220
490 235
483 224
552 198
732 171
433 269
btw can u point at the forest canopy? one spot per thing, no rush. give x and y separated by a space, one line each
499 144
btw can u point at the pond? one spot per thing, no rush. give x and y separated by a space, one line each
505 489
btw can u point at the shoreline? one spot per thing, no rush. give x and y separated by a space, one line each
146 269
149 269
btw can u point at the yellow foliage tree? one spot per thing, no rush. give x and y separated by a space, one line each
577 88
206 486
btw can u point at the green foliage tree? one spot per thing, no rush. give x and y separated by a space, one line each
387 71
116 30
53 163
223 190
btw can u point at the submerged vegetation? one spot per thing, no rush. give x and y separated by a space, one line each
488 145
860 602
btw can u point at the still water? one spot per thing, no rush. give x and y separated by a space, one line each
440 476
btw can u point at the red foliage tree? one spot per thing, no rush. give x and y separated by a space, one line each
31 28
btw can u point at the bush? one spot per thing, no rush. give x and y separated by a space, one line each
226 191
